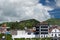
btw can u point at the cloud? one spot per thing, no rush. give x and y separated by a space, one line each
17 10
57 3
47 1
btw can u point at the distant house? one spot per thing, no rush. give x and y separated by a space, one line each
3 29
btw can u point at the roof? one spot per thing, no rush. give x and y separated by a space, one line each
53 27
43 23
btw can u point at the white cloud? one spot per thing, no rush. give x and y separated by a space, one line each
17 10
57 3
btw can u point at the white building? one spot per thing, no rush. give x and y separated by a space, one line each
23 34
52 32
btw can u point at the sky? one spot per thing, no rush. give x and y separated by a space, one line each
18 10
55 13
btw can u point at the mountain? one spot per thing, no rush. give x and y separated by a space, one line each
53 21
30 23
20 25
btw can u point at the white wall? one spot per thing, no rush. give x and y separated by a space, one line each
23 34
55 31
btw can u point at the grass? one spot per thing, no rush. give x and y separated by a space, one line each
32 39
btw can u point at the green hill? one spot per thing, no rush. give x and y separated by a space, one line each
53 21
20 25
29 23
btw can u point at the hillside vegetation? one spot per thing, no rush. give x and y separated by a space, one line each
20 25
29 23
53 21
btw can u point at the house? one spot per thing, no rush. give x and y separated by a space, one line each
41 30
54 32
3 29
23 34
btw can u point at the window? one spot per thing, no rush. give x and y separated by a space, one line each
37 29
44 26
44 29
29 33
55 35
59 34
44 32
36 33
52 34
41 36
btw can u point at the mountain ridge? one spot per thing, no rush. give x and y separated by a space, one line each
30 23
